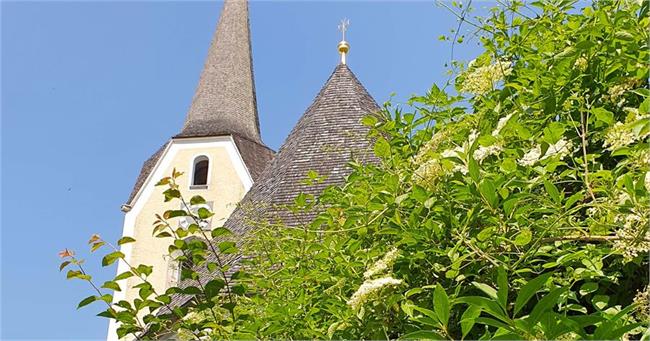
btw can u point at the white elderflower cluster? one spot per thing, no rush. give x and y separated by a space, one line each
560 148
619 90
481 153
385 263
581 63
482 79
646 181
455 152
633 241
642 300
644 158
620 135
431 146
427 173
502 123
370 288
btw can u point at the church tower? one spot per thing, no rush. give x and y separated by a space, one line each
219 150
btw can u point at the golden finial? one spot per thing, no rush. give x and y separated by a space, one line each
344 47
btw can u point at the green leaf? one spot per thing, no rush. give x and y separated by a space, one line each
422 335
468 319
125 240
63 265
96 246
213 288
588 288
369 121
220 231
600 301
488 192
553 132
171 194
528 290
573 199
473 169
204 213
239 289
174 213
441 304
490 291
382 148
603 115
502 293
111 285
552 191
485 234
489 306
547 302
508 165
523 237
111 258
227 247
123 275
86 301
144 269
197 200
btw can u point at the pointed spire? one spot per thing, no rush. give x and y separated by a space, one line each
224 101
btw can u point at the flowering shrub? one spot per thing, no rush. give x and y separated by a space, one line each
515 208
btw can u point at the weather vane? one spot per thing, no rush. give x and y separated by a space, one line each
343 26
344 47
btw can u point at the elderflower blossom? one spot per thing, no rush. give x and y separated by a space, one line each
560 148
502 123
632 241
428 172
619 136
455 152
644 158
646 181
481 153
482 79
642 300
618 90
384 263
581 63
431 145
370 288
531 157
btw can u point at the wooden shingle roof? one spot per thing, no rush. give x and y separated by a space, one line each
325 139
224 102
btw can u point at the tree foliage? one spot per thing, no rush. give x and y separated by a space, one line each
514 207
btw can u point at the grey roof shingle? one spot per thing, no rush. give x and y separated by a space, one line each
325 139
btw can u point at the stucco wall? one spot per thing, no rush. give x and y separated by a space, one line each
228 182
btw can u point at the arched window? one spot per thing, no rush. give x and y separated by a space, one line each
200 174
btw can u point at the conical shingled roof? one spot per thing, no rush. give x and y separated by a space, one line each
224 102
328 136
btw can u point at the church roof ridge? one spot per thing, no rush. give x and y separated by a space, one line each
225 102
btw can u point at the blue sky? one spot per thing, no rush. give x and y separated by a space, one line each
92 89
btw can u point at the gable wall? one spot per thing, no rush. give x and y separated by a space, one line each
228 182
